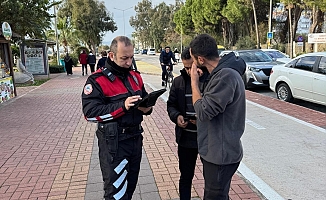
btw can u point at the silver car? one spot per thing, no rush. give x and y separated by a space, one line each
277 55
259 66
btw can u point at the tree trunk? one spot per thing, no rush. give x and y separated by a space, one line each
225 31
297 11
256 24
317 19
291 32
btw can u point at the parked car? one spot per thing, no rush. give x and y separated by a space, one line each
304 77
220 48
259 65
277 55
144 51
151 51
136 51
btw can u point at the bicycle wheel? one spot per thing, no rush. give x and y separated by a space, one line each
170 79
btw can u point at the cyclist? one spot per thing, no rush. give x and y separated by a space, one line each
165 60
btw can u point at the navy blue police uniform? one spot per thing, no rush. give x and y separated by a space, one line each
119 130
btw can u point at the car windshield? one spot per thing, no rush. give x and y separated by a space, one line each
255 56
276 54
152 49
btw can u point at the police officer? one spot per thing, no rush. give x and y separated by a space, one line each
108 98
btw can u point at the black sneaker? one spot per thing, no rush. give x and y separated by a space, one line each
163 83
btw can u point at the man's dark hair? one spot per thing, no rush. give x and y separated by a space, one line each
114 44
185 55
104 53
167 47
204 45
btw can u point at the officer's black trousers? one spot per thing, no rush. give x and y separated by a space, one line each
120 172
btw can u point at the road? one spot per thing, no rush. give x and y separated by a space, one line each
154 60
286 154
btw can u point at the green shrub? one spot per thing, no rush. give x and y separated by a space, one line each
245 43
56 69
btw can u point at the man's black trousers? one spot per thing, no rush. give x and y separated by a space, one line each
187 163
164 71
120 171
217 180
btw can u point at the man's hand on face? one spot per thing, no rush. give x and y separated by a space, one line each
130 101
194 73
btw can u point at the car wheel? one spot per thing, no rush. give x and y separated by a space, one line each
284 93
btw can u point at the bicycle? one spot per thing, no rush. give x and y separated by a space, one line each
169 78
169 75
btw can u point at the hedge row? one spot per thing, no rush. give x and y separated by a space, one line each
56 69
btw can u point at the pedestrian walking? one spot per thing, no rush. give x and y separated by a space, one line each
101 61
182 113
220 112
68 64
83 62
108 99
91 60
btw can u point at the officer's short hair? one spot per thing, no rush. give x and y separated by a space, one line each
114 44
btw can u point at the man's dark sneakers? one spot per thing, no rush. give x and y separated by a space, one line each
163 83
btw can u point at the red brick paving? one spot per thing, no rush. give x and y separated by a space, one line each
45 150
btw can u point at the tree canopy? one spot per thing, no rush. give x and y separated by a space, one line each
27 18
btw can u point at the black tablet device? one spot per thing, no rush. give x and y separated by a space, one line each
150 99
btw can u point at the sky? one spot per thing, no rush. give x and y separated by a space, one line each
124 27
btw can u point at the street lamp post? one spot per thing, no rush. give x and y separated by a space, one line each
56 34
123 16
270 22
181 30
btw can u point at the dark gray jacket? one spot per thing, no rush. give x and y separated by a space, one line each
221 113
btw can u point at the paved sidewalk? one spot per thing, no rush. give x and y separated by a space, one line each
49 151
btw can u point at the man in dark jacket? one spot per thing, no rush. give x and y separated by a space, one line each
101 61
182 113
165 60
221 111
108 99
91 60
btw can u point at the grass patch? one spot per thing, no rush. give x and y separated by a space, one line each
36 83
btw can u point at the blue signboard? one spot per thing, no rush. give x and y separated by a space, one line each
300 38
269 35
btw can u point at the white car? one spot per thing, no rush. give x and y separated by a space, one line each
151 51
277 55
304 77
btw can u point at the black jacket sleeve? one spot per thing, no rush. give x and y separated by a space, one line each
172 103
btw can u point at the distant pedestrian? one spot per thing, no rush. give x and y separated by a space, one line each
176 54
101 61
91 60
68 64
83 62
221 113
182 113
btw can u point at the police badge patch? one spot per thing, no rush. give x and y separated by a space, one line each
88 89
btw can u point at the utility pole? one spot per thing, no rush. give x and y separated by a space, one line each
56 35
123 16
270 22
